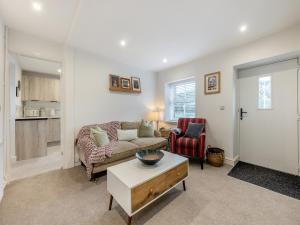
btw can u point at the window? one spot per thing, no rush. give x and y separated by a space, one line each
264 92
181 99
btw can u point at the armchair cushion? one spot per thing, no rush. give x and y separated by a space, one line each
194 130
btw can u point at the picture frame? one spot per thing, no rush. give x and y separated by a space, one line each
212 83
114 82
125 83
136 84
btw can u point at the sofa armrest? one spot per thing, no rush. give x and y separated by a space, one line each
157 133
92 152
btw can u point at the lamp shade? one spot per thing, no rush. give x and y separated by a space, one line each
155 115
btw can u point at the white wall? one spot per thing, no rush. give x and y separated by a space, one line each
13 62
15 103
2 57
30 45
221 123
94 103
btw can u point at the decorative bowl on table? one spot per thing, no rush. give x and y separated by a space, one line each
149 157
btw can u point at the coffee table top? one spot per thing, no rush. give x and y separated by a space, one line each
134 172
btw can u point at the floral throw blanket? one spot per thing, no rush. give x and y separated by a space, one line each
92 153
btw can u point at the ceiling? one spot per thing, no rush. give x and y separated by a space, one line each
174 29
38 65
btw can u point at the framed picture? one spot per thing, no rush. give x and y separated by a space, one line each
114 82
212 83
125 83
136 84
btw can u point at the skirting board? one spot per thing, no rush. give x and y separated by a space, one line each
232 162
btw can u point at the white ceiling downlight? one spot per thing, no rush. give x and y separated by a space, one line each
243 28
165 60
123 43
69 22
37 6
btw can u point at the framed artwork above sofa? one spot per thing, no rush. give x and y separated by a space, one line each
124 84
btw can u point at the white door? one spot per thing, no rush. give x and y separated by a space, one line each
269 122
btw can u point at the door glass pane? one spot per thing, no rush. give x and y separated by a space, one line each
264 93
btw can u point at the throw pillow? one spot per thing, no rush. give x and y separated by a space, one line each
127 135
194 130
99 136
177 131
146 129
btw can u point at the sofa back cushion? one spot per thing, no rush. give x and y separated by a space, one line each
111 129
130 125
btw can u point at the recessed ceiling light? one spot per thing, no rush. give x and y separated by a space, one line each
59 70
37 6
123 43
243 28
165 60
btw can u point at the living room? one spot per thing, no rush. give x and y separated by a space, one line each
133 65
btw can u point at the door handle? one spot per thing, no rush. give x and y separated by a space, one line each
242 113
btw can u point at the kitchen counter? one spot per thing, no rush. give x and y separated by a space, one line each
37 118
33 135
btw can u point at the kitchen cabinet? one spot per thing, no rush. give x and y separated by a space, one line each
40 87
53 130
31 138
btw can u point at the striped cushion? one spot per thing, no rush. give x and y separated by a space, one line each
183 123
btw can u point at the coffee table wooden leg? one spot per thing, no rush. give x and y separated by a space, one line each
129 220
110 202
183 183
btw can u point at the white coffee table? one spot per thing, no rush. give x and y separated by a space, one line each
135 185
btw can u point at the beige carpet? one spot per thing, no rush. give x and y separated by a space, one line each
66 197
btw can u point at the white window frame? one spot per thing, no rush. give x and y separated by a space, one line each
169 96
259 77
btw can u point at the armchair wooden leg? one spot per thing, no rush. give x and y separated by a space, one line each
201 163
110 202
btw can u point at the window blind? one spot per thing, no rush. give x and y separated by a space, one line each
182 99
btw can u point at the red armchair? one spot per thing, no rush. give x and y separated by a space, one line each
186 146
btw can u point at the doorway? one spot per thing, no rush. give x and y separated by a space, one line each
269 116
34 116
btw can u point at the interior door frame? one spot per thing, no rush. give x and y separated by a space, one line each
8 138
236 97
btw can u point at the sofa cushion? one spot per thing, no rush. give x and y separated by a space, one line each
127 135
150 142
146 129
99 136
122 149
